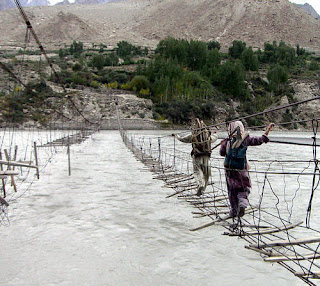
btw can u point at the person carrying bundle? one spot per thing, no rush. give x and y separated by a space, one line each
201 139
234 149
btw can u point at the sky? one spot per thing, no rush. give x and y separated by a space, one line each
314 3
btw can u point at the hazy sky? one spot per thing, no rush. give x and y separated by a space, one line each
314 3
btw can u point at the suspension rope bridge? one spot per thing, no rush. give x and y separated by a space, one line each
270 229
25 153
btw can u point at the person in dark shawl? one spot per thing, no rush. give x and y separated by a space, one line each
238 179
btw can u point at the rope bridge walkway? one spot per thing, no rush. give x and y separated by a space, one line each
270 228
21 158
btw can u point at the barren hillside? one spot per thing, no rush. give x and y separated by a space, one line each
145 22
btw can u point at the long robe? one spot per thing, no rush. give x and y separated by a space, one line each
201 166
238 182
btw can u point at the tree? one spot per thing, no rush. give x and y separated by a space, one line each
231 78
213 45
214 58
171 48
76 49
236 49
313 66
300 51
111 60
277 76
285 55
139 82
126 50
61 53
98 61
249 60
197 55
77 67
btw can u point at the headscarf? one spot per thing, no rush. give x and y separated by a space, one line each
233 125
240 134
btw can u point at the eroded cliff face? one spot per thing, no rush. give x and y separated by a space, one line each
102 108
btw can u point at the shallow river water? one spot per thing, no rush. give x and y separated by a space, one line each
110 224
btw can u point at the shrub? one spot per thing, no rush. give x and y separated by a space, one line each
126 86
114 85
313 66
139 82
144 92
76 67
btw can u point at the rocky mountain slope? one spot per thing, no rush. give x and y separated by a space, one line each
145 22
309 9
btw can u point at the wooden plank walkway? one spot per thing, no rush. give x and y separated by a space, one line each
274 242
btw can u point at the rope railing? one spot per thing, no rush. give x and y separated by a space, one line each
259 227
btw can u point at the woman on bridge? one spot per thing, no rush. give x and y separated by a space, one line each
201 139
236 166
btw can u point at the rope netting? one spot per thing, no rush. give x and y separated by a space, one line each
60 121
280 224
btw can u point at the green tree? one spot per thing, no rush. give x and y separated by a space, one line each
231 79
76 49
313 66
76 67
277 76
237 49
300 51
213 45
139 82
249 60
98 61
197 54
61 53
126 50
111 60
171 48
285 55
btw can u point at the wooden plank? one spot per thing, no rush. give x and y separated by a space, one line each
211 223
291 257
177 193
288 242
9 173
219 220
311 275
268 230
17 164
262 251
180 186
210 201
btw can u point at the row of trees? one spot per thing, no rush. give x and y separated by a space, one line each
191 75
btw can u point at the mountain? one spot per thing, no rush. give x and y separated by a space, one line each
309 9
9 4
145 22
6 4
34 3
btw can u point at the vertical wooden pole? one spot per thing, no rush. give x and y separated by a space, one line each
69 158
159 148
174 151
36 158
13 183
3 181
